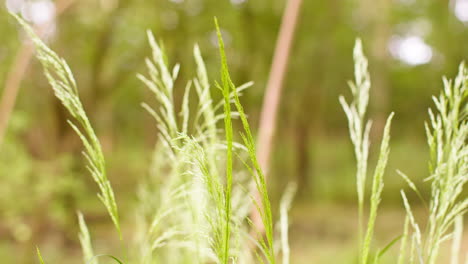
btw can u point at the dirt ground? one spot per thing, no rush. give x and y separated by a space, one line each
328 233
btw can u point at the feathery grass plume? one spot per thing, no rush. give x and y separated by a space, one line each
204 217
359 128
85 240
205 109
264 208
449 159
61 79
161 83
170 211
199 215
447 134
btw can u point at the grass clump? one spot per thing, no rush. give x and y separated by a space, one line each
193 207
197 198
447 135
194 204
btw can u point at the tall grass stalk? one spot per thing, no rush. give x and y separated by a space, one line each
61 79
227 86
264 208
359 129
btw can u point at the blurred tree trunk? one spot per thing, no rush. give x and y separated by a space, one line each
271 100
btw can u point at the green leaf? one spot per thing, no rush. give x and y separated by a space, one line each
381 252
104 255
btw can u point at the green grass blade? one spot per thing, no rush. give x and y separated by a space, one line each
388 246
39 256
227 86
105 255
259 178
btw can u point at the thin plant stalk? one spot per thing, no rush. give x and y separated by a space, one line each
227 86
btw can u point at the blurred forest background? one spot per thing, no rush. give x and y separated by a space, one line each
411 44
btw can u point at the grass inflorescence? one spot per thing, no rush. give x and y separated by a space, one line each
63 83
359 129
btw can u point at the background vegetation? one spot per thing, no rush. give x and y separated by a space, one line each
410 45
